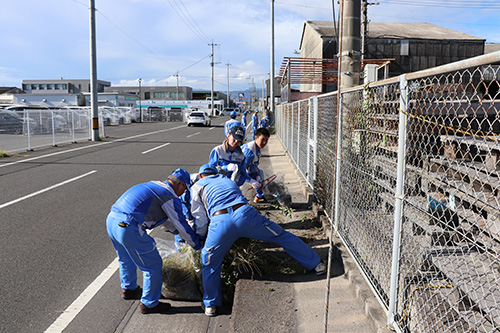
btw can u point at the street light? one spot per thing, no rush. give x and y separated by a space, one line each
140 103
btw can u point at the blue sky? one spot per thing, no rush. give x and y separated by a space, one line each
153 39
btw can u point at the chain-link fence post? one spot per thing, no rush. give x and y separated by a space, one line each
297 159
315 135
28 124
399 196
338 164
53 128
287 126
309 120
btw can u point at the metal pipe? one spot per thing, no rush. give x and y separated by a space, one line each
298 135
271 73
339 164
27 119
93 74
53 128
398 205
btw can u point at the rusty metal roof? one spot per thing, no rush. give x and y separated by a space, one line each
315 70
396 30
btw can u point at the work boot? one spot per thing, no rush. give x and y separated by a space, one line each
160 308
132 294
209 310
320 268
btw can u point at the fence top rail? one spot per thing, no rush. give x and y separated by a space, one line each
482 60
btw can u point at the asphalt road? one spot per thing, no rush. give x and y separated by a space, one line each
53 206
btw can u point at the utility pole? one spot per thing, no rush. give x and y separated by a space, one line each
228 64
93 74
364 22
212 63
177 76
263 94
254 94
350 61
364 11
140 100
271 74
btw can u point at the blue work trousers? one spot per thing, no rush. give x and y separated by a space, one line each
136 251
225 229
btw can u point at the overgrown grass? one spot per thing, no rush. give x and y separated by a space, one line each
4 154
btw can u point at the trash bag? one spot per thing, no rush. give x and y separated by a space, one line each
181 272
278 192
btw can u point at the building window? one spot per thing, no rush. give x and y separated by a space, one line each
42 86
405 47
64 86
57 86
27 87
147 95
34 86
160 95
181 95
50 86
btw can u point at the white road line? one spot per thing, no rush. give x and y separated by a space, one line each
45 190
211 128
91 146
78 304
150 150
81 301
197 133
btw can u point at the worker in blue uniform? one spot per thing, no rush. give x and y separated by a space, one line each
244 124
252 151
186 210
264 122
143 207
223 215
231 123
255 122
229 158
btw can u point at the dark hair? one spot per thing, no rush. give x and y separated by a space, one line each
262 131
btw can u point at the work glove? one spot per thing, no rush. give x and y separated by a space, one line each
258 179
232 167
255 184
221 171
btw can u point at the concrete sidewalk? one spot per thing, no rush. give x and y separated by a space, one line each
282 302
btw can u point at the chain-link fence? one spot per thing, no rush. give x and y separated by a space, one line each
418 189
30 128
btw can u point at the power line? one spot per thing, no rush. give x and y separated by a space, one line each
81 3
132 38
194 21
451 22
296 5
194 63
187 21
450 4
144 46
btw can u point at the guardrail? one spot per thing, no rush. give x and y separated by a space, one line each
410 180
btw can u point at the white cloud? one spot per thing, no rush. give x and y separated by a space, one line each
149 39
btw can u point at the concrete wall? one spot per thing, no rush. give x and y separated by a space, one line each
154 92
312 47
50 100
